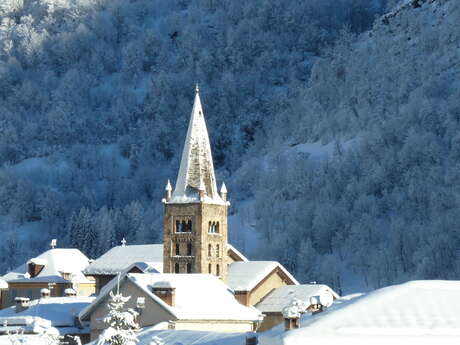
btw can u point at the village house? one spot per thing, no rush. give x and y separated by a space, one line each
199 302
51 315
273 304
57 269
144 258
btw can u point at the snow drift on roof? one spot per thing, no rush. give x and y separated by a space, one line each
60 311
198 297
280 297
58 260
417 312
120 258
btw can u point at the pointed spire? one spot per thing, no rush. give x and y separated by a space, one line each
223 189
223 192
196 168
168 187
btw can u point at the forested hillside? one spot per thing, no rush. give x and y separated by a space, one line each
95 98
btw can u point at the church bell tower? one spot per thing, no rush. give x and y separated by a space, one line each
195 217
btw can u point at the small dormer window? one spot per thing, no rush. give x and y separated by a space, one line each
35 266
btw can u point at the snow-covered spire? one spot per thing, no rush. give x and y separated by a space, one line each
196 168
223 192
168 191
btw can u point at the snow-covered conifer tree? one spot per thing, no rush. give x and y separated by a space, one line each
122 323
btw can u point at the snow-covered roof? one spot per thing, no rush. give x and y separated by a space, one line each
3 284
244 276
174 337
59 311
146 257
57 261
417 312
236 252
280 297
27 339
196 167
198 297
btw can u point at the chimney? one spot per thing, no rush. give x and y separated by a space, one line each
223 192
45 293
69 292
22 303
291 315
166 292
168 191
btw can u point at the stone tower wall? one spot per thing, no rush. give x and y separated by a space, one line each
200 214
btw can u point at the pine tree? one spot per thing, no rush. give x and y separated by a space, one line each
122 323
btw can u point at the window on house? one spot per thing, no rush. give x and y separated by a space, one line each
189 268
209 250
177 249
217 227
210 227
189 226
217 270
176 267
189 249
178 226
209 269
217 250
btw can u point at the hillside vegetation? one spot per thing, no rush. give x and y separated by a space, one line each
95 98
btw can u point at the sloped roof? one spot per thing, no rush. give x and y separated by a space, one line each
60 311
417 312
236 252
175 337
280 297
244 276
58 260
120 258
196 168
198 297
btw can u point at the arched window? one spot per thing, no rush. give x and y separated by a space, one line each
178 226
189 249
189 268
177 249
217 250
209 269
210 227
217 270
176 267
189 226
217 227
209 250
